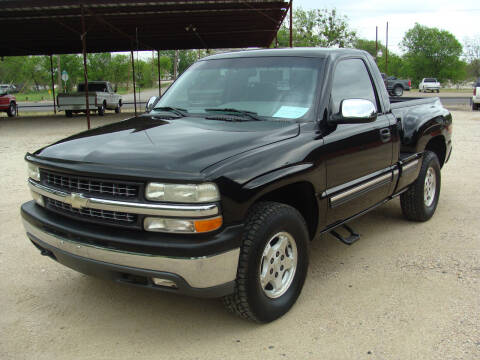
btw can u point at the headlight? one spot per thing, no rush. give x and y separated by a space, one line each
182 225
33 172
183 193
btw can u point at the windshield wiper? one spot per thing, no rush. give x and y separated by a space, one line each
179 111
252 115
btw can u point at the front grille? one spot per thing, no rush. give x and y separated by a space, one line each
106 188
94 214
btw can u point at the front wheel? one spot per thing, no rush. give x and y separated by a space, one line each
12 110
420 201
273 263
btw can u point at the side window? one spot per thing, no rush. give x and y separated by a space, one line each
351 81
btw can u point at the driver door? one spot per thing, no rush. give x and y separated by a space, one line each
359 155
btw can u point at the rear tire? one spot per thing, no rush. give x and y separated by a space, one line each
118 109
398 90
12 110
420 201
272 265
68 113
101 110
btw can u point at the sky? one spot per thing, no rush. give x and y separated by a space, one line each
460 17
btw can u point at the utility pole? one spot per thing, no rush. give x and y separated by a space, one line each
386 52
376 42
175 65
59 74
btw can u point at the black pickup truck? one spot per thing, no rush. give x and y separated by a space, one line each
218 189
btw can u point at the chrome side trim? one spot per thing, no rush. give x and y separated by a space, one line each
360 189
124 206
200 272
410 166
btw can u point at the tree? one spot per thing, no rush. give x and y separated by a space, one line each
319 27
472 54
430 52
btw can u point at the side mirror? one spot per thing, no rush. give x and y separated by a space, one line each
355 111
151 103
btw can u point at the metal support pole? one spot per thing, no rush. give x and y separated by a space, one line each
175 65
53 85
159 75
134 86
376 43
386 52
291 23
85 71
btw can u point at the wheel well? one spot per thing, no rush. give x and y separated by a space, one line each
437 145
301 196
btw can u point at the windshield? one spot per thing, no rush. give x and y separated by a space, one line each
3 89
275 87
430 80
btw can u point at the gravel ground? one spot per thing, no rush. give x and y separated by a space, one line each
404 291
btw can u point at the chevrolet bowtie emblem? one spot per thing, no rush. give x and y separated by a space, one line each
77 201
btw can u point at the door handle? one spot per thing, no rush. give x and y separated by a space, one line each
385 135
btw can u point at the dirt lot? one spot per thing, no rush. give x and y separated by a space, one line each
404 291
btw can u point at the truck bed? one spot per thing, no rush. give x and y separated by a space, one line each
403 102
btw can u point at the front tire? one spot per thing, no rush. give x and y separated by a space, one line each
12 110
273 263
420 201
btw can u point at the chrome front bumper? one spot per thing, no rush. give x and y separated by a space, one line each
198 272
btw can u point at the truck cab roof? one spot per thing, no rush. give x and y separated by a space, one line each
302 52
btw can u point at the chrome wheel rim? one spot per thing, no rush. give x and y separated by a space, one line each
13 110
429 188
278 264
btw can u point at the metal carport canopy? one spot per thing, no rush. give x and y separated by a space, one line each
36 27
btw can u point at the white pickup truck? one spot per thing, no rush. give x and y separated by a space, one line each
429 84
476 96
101 96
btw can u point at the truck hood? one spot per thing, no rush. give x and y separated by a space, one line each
185 145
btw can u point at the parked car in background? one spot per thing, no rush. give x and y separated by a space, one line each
396 87
429 84
8 88
8 102
101 97
219 188
476 96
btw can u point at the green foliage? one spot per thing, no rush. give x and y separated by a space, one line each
430 52
319 27
472 54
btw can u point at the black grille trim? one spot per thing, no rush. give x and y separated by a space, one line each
84 185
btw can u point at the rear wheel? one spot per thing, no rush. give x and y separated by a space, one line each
420 201
398 90
118 109
272 265
68 113
12 110
101 109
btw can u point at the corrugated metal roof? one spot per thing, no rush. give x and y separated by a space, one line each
54 27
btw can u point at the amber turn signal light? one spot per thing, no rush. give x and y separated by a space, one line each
207 225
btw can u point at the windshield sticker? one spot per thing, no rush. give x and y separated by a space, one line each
290 112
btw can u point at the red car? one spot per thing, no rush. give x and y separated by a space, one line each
8 103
